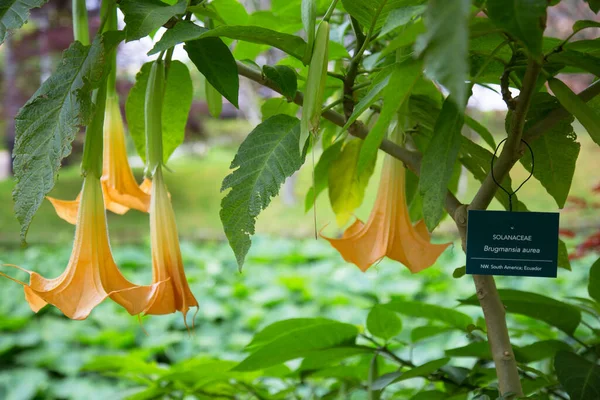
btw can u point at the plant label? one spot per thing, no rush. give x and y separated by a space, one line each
512 243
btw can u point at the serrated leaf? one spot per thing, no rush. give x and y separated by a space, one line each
444 45
587 116
284 77
48 123
300 341
420 371
346 186
438 162
579 377
144 17
214 60
15 13
523 20
383 322
264 160
594 281
401 82
177 102
183 31
561 315
417 309
322 173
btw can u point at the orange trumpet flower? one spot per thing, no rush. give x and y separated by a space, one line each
389 230
167 264
91 275
121 191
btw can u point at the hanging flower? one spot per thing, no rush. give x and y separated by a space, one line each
167 265
121 191
389 230
91 275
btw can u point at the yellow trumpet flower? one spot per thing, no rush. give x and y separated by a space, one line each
389 230
91 275
167 265
121 191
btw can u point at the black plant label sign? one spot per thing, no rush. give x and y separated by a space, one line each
512 243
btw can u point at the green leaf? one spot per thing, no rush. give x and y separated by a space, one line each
556 147
407 36
365 11
322 173
459 272
577 59
438 162
214 100
478 160
290 44
431 395
233 12
177 102
214 60
401 82
15 13
523 20
48 123
479 350
380 82
481 130
183 31
563 256
284 77
279 328
322 358
561 315
383 322
594 282
579 377
585 23
264 160
278 105
540 350
143 17
594 5
427 331
299 342
417 309
421 371
444 45
588 117
346 186
401 16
